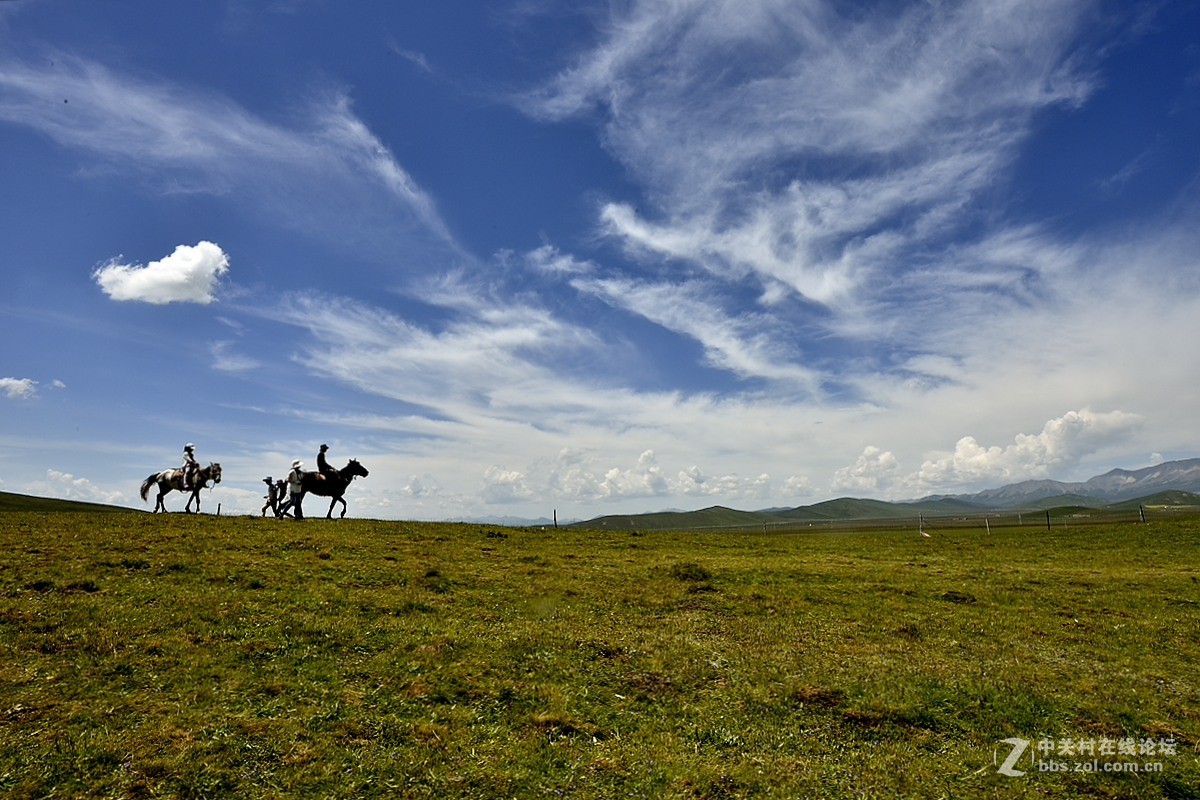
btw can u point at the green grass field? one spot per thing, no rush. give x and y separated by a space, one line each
200 656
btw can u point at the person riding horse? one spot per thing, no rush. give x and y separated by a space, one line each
333 484
190 465
171 480
323 466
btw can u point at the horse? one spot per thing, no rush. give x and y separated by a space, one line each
325 485
172 480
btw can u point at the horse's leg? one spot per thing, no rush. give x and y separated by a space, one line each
330 514
342 500
158 502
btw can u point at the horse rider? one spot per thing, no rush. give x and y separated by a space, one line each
323 465
295 490
190 465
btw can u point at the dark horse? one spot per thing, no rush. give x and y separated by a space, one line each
172 480
325 485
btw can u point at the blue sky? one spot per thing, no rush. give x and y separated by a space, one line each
597 258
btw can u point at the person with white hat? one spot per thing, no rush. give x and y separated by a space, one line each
295 491
190 465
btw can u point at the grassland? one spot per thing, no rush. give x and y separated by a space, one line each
199 656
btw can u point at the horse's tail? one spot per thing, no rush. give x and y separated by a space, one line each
146 484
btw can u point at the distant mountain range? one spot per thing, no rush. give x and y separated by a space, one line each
1175 483
1111 487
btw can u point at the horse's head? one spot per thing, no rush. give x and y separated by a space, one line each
214 471
356 469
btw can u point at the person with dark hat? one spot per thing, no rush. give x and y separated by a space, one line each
323 465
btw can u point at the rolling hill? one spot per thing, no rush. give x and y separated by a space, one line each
1173 484
10 501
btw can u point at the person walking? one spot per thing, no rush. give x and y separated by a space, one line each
295 491
274 495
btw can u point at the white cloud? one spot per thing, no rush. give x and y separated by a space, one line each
797 486
645 479
873 471
578 476
749 345
18 388
1059 445
225 360
730 113
66 486
1053 453
325 174
550 260
188 275
502 485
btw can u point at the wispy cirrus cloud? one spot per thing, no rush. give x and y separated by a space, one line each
748 345
815 149
321 170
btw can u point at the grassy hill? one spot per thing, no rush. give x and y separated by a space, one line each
1163 500
201 656
714 517
24 502
850 510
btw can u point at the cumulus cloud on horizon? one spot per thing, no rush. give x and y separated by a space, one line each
1061 444
581 476
66 486
188 275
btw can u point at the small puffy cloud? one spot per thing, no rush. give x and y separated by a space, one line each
693 482
19 388
502 485
797 486
188 275
875 469
645 479
418 487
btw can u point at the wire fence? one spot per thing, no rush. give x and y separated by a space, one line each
1031 520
